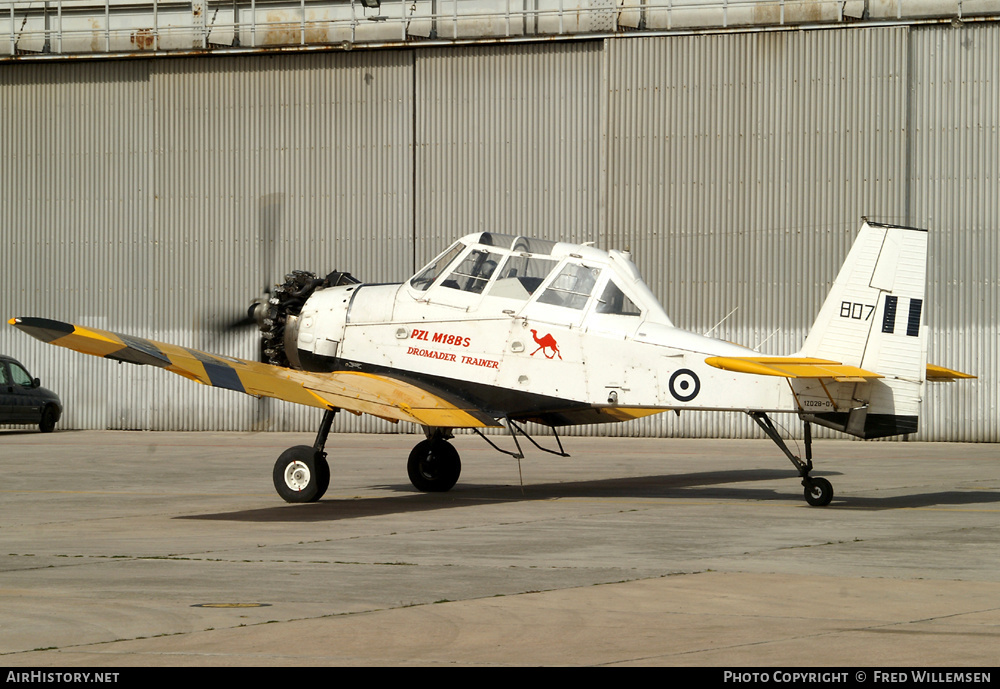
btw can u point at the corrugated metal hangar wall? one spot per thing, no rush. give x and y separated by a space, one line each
159 196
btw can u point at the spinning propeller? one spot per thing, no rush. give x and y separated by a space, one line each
279 301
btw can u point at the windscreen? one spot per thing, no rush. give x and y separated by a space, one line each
428 275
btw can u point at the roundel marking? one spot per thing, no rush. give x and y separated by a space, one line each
684 385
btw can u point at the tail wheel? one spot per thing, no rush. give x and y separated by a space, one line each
301 474
818 491
434 466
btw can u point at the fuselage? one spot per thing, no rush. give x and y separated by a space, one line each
568 331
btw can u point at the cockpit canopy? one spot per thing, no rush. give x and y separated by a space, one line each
513 270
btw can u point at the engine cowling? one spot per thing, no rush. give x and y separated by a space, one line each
277 316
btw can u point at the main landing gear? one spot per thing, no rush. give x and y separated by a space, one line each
818 491
434 465
302 473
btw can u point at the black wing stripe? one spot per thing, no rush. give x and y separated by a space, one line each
140 351
221 375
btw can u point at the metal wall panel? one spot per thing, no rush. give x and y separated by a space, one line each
159 196
739 168
264 167
76 149
508 141
955 190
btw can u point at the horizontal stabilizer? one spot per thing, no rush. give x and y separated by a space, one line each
792 367
940 373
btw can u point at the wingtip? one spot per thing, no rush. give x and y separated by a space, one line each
42 328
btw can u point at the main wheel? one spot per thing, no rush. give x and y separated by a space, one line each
301 474
434 466
818 491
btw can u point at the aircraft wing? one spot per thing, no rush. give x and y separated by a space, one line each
378 395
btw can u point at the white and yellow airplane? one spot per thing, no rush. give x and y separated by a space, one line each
500 330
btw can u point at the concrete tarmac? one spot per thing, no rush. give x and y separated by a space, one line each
123 549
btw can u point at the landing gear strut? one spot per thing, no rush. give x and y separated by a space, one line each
302 473
817 490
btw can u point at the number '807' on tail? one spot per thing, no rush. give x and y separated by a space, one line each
873 319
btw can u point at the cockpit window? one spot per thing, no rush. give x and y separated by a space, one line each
521 275
532 246
614 301
516 243
572 287
428 275
474 272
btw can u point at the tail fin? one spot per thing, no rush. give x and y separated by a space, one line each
872 319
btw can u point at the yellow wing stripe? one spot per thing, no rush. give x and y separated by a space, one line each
388 398
86 340
381 396
791 367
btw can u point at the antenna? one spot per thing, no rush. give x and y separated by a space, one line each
722 321
758 345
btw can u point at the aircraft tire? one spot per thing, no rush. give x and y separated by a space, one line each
301 474
818 491
434 466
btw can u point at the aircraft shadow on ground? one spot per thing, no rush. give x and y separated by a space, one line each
702 486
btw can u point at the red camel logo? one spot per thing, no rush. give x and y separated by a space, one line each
545 344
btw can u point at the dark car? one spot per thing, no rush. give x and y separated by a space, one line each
23 400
